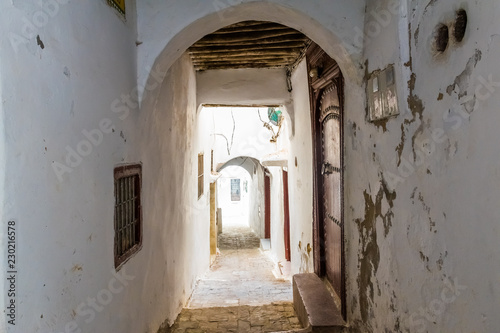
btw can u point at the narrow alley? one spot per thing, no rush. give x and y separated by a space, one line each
240 292
249 166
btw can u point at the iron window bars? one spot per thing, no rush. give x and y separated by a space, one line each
128 215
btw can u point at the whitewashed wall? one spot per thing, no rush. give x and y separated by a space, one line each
252 86
257 203
300 173
237 211
62 66
176 249
423 227
239 132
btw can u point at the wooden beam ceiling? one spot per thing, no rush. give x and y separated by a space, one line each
249 44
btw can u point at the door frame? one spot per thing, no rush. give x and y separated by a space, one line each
267 206
328 73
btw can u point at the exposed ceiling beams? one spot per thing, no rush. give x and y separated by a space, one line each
249 44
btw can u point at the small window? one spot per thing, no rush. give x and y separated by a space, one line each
235 190
200 175
128 216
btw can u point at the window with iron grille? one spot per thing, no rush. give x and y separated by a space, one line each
200 175
128 216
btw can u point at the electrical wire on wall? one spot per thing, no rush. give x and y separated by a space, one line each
228 145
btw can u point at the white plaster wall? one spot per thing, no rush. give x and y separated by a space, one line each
257 203
423 231
235 211
277 215
300 162
258 86
369 150
49 96
176 249
246 136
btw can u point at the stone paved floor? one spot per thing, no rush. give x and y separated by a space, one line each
239 293
241 275
265 318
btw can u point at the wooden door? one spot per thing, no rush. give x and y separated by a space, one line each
329 111
267 212
287 216
326 95
213 223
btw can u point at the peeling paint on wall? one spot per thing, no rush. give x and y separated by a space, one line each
370 254
462 80
432 223
417 108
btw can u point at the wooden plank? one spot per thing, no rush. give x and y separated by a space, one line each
295 45
249 54
253 37
279 61
262 43
238 66
261 27
249 44
246 23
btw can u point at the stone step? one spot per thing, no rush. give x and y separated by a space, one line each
265 244
315 306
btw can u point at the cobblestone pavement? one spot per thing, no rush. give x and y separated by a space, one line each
265 318
241 275
239 293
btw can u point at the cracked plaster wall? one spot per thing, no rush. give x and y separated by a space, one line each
426 246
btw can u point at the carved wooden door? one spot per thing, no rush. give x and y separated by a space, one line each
329 113
326 87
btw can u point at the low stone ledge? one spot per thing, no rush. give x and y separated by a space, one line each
315 306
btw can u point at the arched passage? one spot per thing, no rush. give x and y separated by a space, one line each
335 39
255 189
299 159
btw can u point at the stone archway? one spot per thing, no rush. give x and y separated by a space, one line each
335 40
